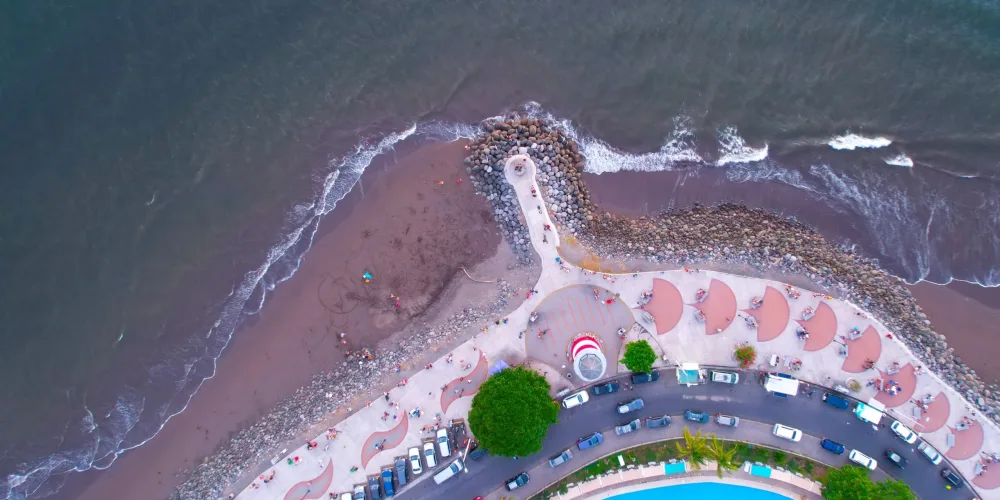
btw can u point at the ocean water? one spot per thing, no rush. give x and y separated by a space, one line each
708 490
166 164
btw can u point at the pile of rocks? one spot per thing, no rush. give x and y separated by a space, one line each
735 234
727 233
329 391
560 166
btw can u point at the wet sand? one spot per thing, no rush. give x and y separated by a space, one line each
411 230
968 315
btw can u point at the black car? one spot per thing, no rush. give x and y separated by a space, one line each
642 378
696 416
953 479
654 422
607 388
895 458
477 454
517 481
373 485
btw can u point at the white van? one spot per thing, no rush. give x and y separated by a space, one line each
442 440
449 471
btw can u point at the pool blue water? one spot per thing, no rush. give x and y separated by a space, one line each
674 468
758 470
701 491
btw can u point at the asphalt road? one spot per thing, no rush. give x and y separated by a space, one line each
746 400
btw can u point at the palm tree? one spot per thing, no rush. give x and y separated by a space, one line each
695 449
724 456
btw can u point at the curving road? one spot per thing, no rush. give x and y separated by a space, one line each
747 400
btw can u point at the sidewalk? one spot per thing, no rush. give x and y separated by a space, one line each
688 330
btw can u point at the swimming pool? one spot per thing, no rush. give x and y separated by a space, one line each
708 490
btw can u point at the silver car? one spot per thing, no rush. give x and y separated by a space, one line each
628 427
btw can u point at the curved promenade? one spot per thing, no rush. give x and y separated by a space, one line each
685 337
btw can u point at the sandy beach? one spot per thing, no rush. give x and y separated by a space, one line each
411 230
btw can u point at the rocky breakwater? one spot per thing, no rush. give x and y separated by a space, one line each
559 164
731 233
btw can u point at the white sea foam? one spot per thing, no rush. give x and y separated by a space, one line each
733 149
851 142
900 160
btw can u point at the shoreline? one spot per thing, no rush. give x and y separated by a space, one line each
509 225
293 339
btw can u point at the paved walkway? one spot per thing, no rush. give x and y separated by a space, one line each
563 306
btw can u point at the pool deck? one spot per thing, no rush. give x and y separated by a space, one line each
645 478
445 390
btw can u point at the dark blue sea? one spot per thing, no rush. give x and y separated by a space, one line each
166 163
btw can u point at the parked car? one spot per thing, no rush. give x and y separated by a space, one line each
835 401
928 451
724 377
477 454
449 472
642 378
727 420
401 471
789 433
373 486
443 445
387 486
696 416
628 427
413 454
359 492
517 481
953 479
590 441
430 456
654 422
903 432
862 459
894 457
607 388
634 405
561 458
832 446
575 399
345 496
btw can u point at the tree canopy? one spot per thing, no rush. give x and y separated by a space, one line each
853 483
639 356
512 412
695 449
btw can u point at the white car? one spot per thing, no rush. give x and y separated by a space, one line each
576 399
725 377
414 456
904 432
442 441
430 456
786 432
930 453
862 459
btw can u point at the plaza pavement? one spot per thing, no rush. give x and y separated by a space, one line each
567 306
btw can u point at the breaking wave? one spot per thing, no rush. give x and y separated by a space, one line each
900 160
851 142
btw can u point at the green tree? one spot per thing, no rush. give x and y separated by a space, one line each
639 356
893 489
724 456
848 483
695 449
512 412
853 483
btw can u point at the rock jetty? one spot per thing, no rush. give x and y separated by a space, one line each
723 234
